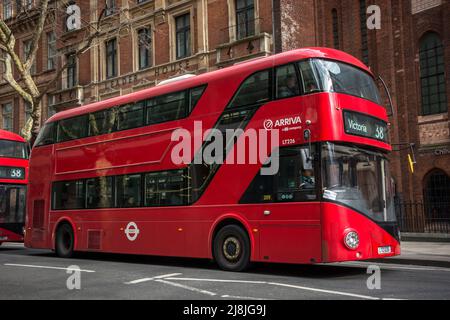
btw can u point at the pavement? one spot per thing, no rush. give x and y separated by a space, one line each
435 254
39 274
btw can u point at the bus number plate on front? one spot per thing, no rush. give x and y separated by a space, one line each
384 250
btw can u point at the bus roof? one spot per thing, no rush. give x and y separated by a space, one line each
8 135
248 66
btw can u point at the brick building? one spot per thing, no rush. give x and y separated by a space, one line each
145 41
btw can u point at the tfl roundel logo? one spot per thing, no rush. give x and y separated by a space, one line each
268 124
132 231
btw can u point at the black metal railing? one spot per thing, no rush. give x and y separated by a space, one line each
423 217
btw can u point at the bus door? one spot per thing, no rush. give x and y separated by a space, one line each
288 210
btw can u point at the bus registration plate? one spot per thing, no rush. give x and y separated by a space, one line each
384 250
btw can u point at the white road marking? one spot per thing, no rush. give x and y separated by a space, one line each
281 285
209 293
325 291
43 267
13 244
243 298
154 278
219 280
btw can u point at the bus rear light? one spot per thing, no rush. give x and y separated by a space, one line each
351 240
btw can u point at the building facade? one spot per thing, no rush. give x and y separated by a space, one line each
142 42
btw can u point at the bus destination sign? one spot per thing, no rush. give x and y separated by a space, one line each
12 173
362 125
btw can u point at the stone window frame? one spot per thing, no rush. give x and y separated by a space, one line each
172 31
2 105
103 57
421 112
232 20
135 40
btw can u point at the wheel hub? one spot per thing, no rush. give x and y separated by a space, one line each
231 249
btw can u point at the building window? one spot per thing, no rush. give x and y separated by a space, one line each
145 48
141 1
111 58
7 9
437 195
364 36
183 35
51 101
27 4
7 117
71 70
27 109
432 75
51 50
110 7
334 14
245 18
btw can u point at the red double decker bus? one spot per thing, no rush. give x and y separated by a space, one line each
13 186
103 177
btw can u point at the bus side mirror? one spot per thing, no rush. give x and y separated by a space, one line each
388 95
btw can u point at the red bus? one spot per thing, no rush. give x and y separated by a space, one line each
13 186
103 177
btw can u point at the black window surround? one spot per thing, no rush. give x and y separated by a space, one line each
128 116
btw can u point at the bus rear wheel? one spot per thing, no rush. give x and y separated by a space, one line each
64 243
231 248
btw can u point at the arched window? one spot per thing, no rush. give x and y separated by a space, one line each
334 14
432 75
437 195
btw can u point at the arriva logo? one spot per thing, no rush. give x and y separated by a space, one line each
269 125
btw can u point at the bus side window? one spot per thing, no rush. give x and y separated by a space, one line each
151 190
286 82
294 182
68 195
166 108
72 128
131 116
128 191
311 78
46 135
254 90
102 122
195 95
99 193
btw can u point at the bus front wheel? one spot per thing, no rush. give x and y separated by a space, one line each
232 248
64 241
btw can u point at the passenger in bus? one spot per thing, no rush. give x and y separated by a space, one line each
290 88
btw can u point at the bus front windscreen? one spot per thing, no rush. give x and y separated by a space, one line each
13 149
359 179
320 75
12 204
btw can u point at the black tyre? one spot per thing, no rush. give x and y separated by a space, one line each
231 248
64 242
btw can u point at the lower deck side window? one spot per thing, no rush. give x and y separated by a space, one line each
294 182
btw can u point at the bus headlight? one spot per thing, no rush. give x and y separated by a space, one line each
351 240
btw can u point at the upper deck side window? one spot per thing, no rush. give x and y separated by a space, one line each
254 90
168 107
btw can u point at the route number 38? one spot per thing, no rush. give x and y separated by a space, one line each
16 173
